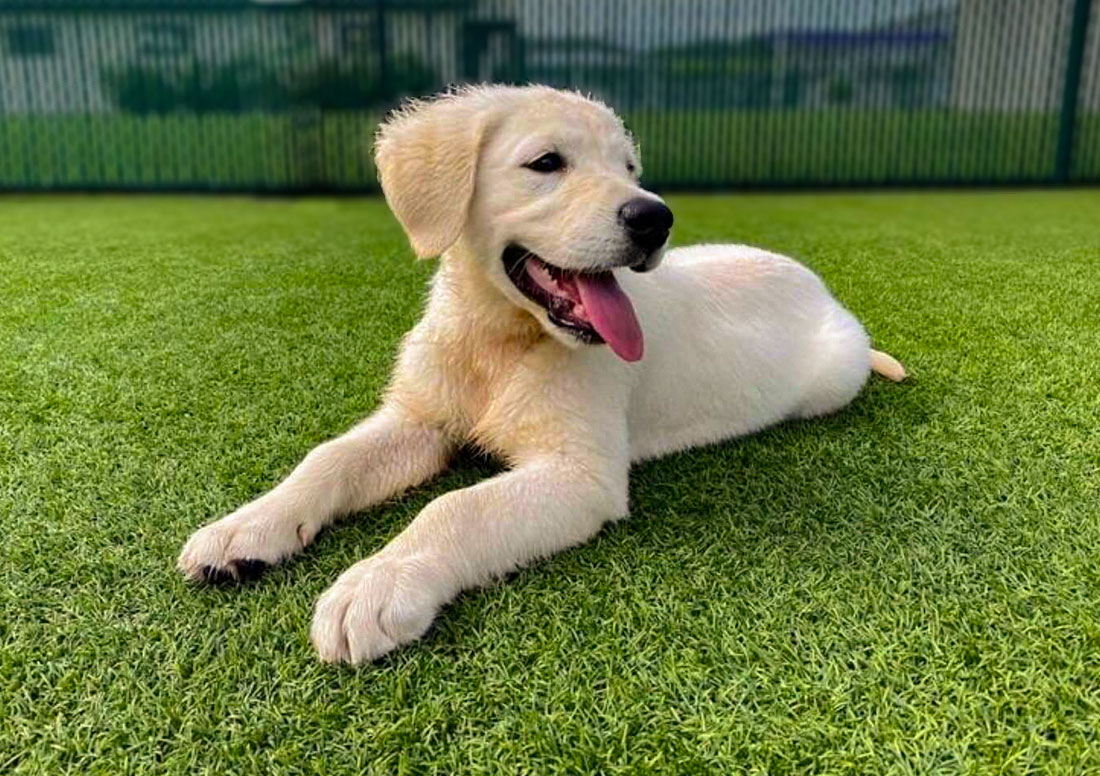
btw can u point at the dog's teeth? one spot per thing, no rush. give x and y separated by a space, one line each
542 277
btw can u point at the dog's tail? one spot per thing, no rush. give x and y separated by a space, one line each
887 366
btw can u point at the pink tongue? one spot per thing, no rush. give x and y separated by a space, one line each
611 314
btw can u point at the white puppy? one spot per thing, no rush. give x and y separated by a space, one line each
532 348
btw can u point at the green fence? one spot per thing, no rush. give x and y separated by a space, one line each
284 96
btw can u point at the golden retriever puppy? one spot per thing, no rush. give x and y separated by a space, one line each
554 337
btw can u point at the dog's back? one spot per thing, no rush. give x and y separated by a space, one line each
739 339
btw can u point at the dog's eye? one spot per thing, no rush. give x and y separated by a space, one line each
550 162
630 168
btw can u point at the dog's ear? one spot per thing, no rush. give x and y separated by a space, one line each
426 154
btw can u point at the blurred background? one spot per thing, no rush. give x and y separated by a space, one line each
283 96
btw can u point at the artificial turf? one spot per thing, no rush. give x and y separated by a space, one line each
910 586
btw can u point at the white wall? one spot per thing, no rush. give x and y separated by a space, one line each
1010 54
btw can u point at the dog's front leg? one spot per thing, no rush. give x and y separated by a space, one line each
460 540
379 458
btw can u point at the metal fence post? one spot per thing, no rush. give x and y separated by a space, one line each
1067 124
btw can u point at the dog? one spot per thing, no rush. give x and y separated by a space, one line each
531 348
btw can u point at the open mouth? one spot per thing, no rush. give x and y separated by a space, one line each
589 305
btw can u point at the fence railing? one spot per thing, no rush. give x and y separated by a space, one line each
284 96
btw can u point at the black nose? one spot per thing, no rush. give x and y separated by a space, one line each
647 221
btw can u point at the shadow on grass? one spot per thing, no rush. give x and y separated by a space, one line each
801 450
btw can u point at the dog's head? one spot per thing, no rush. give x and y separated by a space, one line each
542 186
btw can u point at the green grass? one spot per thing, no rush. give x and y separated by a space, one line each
680 147
910 586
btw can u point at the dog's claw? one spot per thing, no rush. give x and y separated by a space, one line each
250 569
212 575
246 570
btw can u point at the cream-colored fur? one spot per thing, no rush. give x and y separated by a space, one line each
736 339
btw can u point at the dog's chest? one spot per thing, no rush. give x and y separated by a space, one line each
507 405
493 394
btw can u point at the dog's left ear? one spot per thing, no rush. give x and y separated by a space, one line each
426 154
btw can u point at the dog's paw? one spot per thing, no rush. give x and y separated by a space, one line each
377 605
241 546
